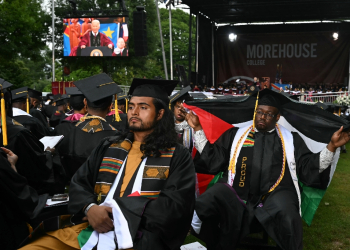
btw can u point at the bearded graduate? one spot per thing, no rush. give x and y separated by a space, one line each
136 189
259 188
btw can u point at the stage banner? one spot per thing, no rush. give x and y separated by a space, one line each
60 87
297 57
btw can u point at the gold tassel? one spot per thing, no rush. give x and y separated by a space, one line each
170 105
3 119
126 105
256 105
27 104
116 113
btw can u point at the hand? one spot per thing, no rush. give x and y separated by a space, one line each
110 46
11 157
83 47
98 217
192 119
339 138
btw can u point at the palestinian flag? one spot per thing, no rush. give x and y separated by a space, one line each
315 125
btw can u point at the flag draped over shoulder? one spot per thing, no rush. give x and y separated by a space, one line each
316 126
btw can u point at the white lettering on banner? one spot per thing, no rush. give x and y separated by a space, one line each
298 50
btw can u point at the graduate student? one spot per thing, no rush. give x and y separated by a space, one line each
142 179
20 110
121 123
183 130
35 102
83 137
259 188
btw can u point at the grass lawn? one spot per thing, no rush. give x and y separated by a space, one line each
330 228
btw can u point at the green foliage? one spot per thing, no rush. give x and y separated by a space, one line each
24 27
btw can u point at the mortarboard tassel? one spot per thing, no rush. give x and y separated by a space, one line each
116 111
256 105
126 105
3 119
169 105
27 104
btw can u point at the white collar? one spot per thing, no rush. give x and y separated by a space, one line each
18 112
93 33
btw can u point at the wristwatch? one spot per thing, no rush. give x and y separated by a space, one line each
88 207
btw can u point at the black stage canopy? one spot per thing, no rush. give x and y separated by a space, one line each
248 11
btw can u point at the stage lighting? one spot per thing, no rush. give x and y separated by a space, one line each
335 36
232 37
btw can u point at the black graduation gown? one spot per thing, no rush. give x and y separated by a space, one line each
40 116
34 125
48 110
33 163
76 147
65 127
17 203
164 222
122 125
278 213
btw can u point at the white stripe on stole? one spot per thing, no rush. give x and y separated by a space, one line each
121 231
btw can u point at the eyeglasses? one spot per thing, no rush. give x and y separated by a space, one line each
267 115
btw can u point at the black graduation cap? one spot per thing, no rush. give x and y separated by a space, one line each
121 96
73 91
322 105
159 89
20 94
271 98
179 94
98 87
35 94
4 84
60 99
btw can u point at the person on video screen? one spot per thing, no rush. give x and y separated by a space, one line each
95 38
121 49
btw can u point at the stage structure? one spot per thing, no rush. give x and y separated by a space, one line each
264 37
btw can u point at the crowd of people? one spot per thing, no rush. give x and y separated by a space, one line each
238 87
132 182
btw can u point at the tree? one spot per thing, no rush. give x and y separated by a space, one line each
24 28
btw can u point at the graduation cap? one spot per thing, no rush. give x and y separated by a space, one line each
60 99
181 94
121 97
322 105
159 89
72 91
98 87
20 95
35 94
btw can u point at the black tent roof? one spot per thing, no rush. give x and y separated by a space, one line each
248 11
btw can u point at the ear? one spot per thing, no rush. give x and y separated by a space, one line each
85 102
278 117
160 114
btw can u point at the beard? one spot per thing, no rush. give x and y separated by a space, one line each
143 126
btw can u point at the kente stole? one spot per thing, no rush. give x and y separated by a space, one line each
241 168
155 173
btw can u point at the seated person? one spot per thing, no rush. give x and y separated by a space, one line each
17 204
61 109
132 178
259 187
20 111
35 102
120 124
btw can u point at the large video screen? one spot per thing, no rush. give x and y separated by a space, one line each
100 36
